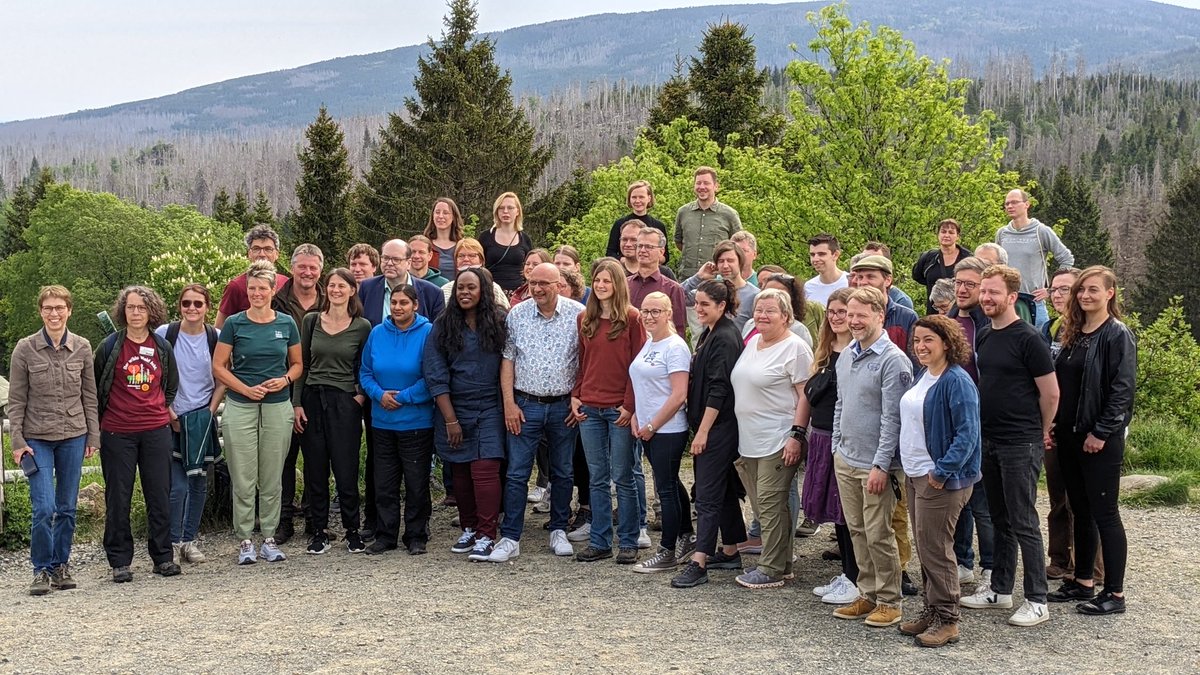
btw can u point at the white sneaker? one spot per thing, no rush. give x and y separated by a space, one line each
844 594
558 542
985 579
192 553
506 549
965 575
644 538
1030 614
581 533
246 553
270 552
984 598
537 494
833 584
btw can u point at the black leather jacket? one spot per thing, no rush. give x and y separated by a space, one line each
1109 378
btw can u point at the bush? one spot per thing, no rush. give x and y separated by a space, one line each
1168 382
18 517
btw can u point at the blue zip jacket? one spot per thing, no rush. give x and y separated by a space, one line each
391 361
952 432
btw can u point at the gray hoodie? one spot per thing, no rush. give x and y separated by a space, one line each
866 417
1027 249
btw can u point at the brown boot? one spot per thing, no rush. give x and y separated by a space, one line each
939 634
918 625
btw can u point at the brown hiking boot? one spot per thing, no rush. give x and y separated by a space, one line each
915 627
856 610
884 615
939 634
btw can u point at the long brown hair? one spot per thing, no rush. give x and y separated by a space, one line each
1074 319
825 336
456 221
618 312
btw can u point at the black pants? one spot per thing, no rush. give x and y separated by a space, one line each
368 502
122 456
666 452
331 439
717 485
1093 482
287 498
403 456
846 548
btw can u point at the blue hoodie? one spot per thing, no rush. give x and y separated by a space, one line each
391 361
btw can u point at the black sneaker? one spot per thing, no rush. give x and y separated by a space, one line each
122 575
627 556
1105 603
317 545
285 531
693 575
722 561
592 554
1071 590
907 587
416 548
465 543
378 547
354 542
166 569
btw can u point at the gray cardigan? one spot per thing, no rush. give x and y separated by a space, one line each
870 385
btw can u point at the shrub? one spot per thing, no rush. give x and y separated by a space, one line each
1168 382
18 517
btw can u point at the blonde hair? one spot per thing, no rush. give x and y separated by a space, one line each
870 296
785 302
662 297
517 224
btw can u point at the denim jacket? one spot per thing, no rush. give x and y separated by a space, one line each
952 432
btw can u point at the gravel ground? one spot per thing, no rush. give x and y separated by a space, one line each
432 613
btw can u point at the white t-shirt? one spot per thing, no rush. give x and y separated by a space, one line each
650 371
914 455
817 291
764 393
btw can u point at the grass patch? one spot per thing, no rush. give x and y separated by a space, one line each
1175 492
1159 445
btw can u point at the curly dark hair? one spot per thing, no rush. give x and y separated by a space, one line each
957 349
489 318
156 308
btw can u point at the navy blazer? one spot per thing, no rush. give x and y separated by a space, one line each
430 301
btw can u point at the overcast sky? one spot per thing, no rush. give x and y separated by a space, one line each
58 56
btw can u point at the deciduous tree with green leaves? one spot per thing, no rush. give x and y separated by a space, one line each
323 189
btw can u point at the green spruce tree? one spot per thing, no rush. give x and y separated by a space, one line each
729 85
263 213
464 138
222 211
1069 203
674 100
1172 253
322 191
20 208
240 211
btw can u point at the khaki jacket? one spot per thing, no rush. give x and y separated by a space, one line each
53 391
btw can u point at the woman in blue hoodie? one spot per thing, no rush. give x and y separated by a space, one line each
402 419
940 451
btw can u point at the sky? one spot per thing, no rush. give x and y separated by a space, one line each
59 56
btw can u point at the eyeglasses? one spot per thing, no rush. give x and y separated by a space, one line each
653 312
55 309
969 285
1060 290
188 304
390 260
647 247
836 313
263 249
137 309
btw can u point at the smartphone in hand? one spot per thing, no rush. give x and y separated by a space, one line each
28 464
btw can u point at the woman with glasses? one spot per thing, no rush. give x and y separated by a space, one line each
193 418
813 315
505 246
52 419
795 293
468 252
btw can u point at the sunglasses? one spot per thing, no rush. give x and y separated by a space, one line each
188 304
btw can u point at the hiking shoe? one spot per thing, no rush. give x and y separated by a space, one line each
191 553
416 547
506 549
285 531
808 529
884 615
317 545
537 494
915 627
354 542
41 582
592 554
61 579
643 540
722 561
627 556
939 634
270 552
581 533
1105 603
833 584
685 546
1030 614
693 575
122 575
1071 590
663 561
379 547
965 575
465 543
756 578
481 550
167 568
246 553
1054 572
907 587
845 592
984 598
861 608
558 542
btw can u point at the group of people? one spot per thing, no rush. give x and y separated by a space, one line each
818 401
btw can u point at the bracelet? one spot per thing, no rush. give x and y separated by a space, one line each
799 432
285 377
650 427
451 424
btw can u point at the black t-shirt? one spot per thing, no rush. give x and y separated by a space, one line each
1069 367
821 391
505 262
1009 360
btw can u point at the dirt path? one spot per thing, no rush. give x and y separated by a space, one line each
433 613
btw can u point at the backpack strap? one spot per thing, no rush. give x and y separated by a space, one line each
173 333
211 332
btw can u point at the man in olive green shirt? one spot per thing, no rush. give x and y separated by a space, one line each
699 225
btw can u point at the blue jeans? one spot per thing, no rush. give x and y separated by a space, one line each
187 502
610 458
1041 317
639 479
53 491
548 419
975 515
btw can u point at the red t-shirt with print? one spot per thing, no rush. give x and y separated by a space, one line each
136 401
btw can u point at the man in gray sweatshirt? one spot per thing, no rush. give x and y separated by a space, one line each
872 375
1027 241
